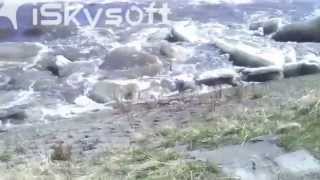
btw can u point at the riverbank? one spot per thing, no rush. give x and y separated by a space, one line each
168 134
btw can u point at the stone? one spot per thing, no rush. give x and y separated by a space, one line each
13 116
292 69
249 161
218 77
38 80
185 82
308 31
268 26
262 74
298 164
184 85
183 33
4 81
301 68
249 56
168 84
119 91
132 62
308 68
66 67
21 53
174 53
160 35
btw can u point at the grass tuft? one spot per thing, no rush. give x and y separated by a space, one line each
6 157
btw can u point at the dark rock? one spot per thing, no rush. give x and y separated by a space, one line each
14 116
132 62
184 85
310 68
301 68
300 32
183 33
54 70
168 84
263 74
175 36
269 26
160 35
62 67
218 77
292 70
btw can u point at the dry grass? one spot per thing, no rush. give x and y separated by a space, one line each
156 157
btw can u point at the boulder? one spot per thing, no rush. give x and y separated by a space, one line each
173 53
268 26
301 68
21 53
292 69
308 68
249 56
218 77
176 36
185 82
38 80
298 165
132 62
183 33
262 74
4 81
168 85
247 161
160 35
308 31
119 91
184 85
65 67
14 116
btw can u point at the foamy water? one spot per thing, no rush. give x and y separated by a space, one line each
200 55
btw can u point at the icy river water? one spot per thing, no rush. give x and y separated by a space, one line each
49 73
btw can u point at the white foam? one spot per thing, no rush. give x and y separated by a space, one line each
62 61
82 105
224 72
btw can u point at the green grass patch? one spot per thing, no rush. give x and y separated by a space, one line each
308 136
155 164
219 132
6 156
